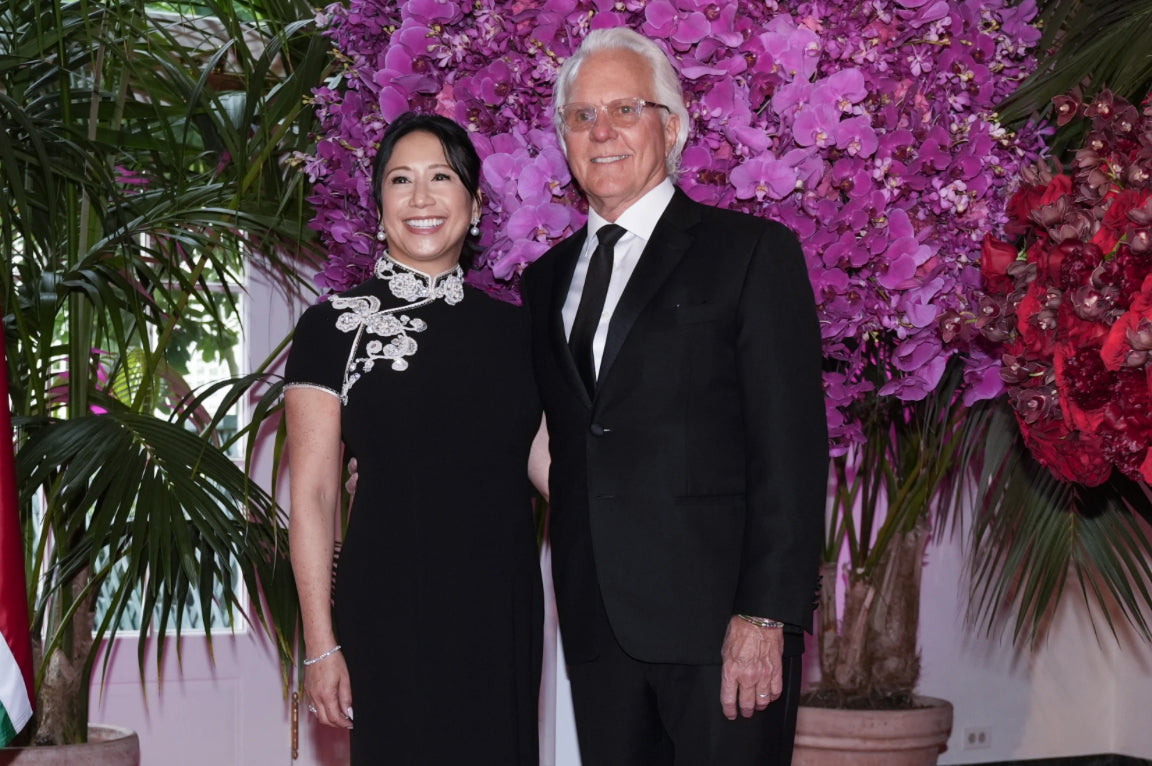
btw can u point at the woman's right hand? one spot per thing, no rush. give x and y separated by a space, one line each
353 477
329 691
314 453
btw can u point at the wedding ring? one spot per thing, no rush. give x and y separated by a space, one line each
312 709
762 696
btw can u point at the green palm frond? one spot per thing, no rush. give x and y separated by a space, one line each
158 499
1105 43
146 169
1033 536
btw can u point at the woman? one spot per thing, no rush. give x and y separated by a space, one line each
436 637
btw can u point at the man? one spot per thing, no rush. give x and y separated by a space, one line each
679 360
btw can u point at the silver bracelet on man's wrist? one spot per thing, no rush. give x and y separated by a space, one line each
761 622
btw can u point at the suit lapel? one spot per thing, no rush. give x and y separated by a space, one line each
565 266
670 240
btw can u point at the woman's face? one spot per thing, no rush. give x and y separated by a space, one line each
425 208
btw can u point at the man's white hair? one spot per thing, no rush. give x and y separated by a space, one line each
665 83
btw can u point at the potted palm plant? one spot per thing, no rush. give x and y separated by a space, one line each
138 184
891 492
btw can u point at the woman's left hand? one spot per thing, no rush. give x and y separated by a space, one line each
329 691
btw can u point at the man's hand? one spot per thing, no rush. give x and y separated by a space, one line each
752 674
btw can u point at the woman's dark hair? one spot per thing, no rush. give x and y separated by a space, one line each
458 150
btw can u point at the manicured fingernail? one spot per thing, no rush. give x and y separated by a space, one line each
349 713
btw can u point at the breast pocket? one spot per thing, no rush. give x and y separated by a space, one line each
698 313
735 501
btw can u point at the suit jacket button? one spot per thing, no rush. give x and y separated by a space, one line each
598 430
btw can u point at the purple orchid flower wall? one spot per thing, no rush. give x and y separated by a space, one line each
867 127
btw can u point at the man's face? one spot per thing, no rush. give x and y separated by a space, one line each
617 166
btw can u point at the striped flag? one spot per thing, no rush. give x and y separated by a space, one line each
15 640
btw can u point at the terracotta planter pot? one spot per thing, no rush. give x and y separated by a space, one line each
106 746
833 737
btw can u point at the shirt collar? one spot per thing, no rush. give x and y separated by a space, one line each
643 215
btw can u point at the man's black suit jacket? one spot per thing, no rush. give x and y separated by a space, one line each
693 485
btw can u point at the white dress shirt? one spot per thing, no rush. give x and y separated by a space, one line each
638 220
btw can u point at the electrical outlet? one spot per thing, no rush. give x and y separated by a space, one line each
976 737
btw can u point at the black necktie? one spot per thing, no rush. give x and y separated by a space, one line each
592 303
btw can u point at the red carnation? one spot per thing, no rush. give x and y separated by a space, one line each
1083 383
1083 460
1082 259
1071 456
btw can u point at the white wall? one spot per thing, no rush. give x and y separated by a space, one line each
1074 695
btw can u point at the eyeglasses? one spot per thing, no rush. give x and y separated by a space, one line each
621 113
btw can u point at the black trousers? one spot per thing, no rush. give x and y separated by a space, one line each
633 713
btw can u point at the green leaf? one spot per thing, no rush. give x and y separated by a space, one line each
1030 532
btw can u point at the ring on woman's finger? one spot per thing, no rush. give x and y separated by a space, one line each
763 696
312 709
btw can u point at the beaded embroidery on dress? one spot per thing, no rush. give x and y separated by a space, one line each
362 314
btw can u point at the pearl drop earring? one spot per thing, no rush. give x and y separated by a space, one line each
475 230
381 236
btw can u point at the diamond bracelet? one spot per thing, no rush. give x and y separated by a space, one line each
319 657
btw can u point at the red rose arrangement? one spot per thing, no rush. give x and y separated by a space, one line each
1070 301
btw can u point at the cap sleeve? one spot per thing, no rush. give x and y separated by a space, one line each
319 352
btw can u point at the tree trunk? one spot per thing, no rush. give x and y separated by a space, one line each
895 621
62 699
852 672
870 654
829 625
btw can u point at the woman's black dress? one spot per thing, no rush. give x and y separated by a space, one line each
438 600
